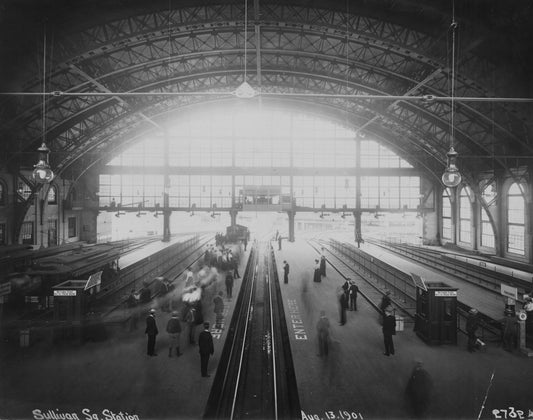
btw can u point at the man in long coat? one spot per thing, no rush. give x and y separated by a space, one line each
151 331
206 348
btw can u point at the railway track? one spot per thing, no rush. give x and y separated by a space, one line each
453 265
255 376
376 276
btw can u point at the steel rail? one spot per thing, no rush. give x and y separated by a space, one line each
249 312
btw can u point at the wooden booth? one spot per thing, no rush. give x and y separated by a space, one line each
436 312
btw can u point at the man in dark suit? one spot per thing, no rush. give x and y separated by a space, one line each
205 343
285 272
353 290
151 331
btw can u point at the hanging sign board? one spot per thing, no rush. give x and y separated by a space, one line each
508 291
445 293
419 281
64 293
94 280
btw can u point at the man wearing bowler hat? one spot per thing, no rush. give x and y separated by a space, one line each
205 342
151 331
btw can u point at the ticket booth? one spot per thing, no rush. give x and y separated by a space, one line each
436 313
70 300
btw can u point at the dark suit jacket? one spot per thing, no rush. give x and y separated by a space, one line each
205 342
389 324
151 326
286 268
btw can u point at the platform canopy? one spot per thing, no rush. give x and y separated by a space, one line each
116 70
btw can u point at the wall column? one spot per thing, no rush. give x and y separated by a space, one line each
166 191
291 214
233 214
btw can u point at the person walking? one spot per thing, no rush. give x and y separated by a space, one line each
245 243
218 309
174 332
206 348
389 329
353 290
509 330
190 319
316 275
285 272
323 264
472 324
151 331
229 284
419 389
322 327
279 242
343 304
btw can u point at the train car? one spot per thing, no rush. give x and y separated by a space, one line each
237 233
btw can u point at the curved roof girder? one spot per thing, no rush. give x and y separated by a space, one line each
387 43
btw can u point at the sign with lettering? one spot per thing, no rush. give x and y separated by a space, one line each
64 293
509 291
445 293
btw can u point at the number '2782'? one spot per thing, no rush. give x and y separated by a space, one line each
511 413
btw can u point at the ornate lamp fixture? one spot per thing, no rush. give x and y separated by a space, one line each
42 173
452 177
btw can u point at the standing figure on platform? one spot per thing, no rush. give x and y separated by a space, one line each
343 305
419 389
279 242
322 328
189 277
472 324
190 319
229 284
174 332
151 331
218 303
389 329
353 291
205 343
385 301
285 272
509 330
323 264
245 241
235 265
316 276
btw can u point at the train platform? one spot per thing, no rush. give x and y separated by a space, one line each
115 379
356 380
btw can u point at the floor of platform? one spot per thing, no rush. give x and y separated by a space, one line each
356 377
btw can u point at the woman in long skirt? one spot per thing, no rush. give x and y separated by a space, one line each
317 278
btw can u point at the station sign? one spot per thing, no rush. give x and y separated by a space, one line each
64 293
508 291
445 293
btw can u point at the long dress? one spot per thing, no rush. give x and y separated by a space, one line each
317 277
322 265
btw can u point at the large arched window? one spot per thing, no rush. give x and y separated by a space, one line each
446 215
52 195
465 216
515 220
487 231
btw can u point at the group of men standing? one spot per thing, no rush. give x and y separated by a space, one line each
173 328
